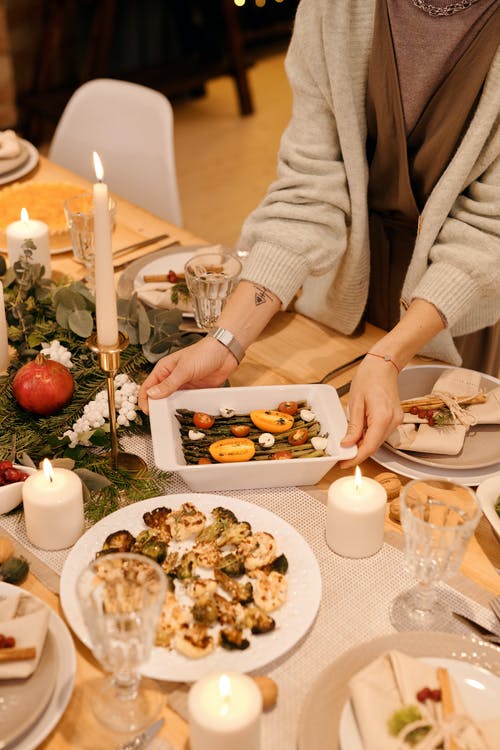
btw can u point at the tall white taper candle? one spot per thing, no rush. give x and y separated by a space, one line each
105 296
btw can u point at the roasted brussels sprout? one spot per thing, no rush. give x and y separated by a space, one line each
279 564
231 565
240 592
224 514
156 549
223 518
14 570
142 538
257 620
186 566
233 639
205 610
119 541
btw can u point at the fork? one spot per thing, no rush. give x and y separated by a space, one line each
495 606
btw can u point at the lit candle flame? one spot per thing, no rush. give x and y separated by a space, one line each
48 470
24 215
225 693
99 171
357 478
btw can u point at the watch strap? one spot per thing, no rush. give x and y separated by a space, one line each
230 342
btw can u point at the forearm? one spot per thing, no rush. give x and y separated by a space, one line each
248 311
416 328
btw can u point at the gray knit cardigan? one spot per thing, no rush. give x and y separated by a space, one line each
311 230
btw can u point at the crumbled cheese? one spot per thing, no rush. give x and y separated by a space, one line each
307 415
226 411
319 442
195 435
266 440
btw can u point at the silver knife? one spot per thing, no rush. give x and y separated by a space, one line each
144 738
486 633
138 245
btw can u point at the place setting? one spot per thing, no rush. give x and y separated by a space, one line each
18 157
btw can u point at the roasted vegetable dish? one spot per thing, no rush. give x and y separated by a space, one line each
224 578
291 430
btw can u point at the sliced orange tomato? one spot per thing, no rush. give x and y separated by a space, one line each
230 450
270 420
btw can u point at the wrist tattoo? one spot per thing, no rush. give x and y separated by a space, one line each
261 295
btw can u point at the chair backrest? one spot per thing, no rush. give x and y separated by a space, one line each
131 128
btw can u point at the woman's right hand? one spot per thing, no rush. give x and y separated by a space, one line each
205 364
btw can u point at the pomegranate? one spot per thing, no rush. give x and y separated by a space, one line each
43 386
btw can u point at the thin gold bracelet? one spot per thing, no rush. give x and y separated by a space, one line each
386 358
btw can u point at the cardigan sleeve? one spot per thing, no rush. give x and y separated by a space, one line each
464 270
300 228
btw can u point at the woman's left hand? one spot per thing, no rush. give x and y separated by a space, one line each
374 408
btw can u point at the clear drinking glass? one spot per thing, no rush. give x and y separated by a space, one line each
79 212
438 519
211 277
121 596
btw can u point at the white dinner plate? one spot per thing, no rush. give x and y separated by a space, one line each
322 713
293 619
62 642
479 691
401 465
25 168
481 448
488 493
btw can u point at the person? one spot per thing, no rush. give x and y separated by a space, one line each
386 206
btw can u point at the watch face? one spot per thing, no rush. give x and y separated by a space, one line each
229 341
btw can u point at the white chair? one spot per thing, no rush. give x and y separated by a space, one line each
131 128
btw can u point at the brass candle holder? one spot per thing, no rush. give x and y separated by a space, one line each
109 362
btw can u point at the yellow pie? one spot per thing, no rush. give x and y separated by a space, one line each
44 201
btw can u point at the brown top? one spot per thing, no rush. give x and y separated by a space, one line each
427 47
404 168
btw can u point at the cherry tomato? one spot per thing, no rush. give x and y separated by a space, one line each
204 460
230 450
269 420
282 455
172 277
288 407
203 421
240 430
298 436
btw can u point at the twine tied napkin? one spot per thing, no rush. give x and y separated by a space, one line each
416 435
27 620
391 682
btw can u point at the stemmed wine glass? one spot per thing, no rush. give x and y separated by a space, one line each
438 519
121 596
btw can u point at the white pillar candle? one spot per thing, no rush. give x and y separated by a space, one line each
4 341
224 713
29 229
355 516
105 296
53 507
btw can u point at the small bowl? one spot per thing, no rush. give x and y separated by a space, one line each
167 445
12 494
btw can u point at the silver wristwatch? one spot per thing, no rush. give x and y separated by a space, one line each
229 341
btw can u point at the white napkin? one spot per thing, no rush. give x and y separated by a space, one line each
9 145
159 294
29 627
386 685
446 440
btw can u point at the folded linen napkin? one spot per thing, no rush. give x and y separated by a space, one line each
162 294
27 622
415 434
391 682
10 145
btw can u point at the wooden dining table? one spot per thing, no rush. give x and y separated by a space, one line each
292 349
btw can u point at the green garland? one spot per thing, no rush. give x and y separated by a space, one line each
40 310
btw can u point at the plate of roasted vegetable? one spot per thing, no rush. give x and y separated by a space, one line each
243 585
262 436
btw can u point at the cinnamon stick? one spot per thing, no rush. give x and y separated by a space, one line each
434 402
17 654
446 699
